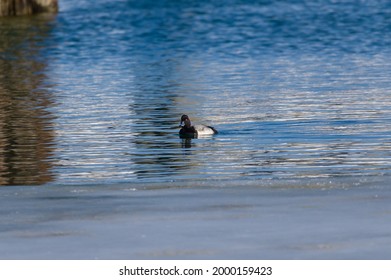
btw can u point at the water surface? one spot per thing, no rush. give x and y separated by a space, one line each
297 89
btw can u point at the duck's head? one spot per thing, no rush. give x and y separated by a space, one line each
185 120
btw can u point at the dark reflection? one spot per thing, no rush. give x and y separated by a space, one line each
186 142
158 151
26 133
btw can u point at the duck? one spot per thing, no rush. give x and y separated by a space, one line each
193 131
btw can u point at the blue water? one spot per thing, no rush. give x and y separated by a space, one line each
297 89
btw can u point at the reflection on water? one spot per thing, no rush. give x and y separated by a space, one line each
25 125
153 104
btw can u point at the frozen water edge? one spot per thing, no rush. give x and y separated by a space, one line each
253 220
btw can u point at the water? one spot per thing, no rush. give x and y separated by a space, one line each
90 103
299 90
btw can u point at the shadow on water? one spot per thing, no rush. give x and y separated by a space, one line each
26 131
156 107
157 152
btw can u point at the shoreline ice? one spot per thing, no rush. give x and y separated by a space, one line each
252 221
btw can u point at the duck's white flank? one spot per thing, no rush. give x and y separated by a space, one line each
204 130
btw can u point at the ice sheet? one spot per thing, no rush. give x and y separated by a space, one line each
252 221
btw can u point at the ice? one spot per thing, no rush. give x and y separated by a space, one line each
197 221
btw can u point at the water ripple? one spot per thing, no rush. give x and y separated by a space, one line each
296 89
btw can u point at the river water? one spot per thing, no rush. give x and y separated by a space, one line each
90 104
297 89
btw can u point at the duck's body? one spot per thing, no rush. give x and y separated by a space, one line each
189 130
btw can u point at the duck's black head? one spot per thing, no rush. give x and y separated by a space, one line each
186 120
184 117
